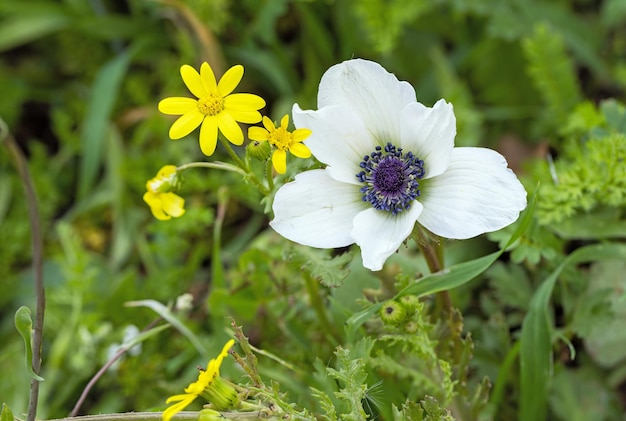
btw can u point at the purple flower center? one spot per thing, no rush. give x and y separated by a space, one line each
389 178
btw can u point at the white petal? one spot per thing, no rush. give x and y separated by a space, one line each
476 194
375 94
380 234
316 210
429 134
338 139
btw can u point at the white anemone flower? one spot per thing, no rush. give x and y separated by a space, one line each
390 162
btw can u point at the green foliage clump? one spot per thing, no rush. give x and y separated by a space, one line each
591 174
553 73
385 20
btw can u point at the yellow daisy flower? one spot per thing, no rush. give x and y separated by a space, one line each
209 385
216 107
163 203
283 140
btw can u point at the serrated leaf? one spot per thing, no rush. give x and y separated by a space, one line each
326 403
330 271
410 411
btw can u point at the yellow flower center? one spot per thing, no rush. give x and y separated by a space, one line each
280 138
211 105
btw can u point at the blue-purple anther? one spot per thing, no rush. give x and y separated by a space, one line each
390 178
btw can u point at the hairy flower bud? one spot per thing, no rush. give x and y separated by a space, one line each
392 313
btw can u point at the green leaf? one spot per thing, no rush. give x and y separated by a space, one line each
605 340
102 99
615 114
325 403
6 414
552 72
165 312
144 335
536 342
603 223
18 30
330 271
24 325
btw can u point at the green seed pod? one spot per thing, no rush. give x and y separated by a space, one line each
392 313
411 326
410 303
260 150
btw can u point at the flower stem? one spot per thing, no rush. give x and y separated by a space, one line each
37 246
432 250
158 416
313 288
269 174
233 155
217 165
247 171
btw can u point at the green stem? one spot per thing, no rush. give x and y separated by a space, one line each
233 155
432 250
217 165
269 175
37 245
158 416
245 167
313 288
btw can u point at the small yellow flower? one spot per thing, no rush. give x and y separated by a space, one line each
206 380
283 140
216 107
163 203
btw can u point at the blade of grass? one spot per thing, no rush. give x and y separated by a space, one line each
103 95
536 338
167 315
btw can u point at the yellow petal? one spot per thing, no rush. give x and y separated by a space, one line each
229 127
269 124
284 122
156 206
257 133
230 80
279 160
208 135
245 116
244 102
222 355
166 171
176 408
208 78
173 204
193 82
299 135
177 105
300 150
186 124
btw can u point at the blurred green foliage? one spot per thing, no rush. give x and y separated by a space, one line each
542 81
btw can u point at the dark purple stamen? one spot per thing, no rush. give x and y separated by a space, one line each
390 178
